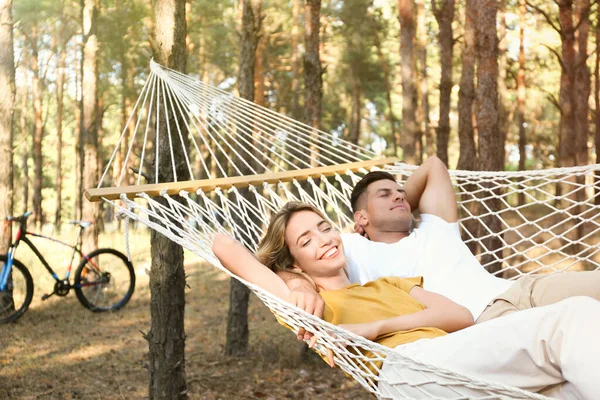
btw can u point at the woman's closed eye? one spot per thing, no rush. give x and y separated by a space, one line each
305 243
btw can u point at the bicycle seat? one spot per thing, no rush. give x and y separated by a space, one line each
83 224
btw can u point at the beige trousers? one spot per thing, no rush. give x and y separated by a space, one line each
534 349
542 290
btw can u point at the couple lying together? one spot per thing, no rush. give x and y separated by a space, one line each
422 292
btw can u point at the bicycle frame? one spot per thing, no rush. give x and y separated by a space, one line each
22 236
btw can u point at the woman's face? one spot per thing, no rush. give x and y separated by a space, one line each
315 245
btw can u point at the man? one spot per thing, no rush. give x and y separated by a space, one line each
391 247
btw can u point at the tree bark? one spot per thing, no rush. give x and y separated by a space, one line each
237 320
89 108
597 114
521 92
424 79
388 90
38 133
466 95
444 15
24 133
409 89
582 84
313 83
491 156
503 114
295 59
7 108
166 340
567 78
60 84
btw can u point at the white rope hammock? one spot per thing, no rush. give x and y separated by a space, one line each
234 143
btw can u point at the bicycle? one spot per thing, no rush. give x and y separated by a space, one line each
104 279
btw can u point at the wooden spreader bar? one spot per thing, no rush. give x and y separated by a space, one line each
173 188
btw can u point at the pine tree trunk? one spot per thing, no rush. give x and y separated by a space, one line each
295 59
237 321
521 92
89 107
166 340
444 16
24 134
313 83
7 108
38 133
60 84
425 123
491 154
388 91
567 78
503 113
466 95
597 114
582 82
410 129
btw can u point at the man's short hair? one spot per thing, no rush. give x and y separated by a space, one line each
363 184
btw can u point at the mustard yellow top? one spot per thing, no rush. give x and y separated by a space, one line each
380 299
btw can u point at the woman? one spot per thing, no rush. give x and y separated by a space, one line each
532 349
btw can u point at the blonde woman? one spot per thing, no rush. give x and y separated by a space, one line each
398 313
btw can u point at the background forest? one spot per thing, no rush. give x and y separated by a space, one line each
482 84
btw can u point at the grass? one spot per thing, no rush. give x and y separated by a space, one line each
60 350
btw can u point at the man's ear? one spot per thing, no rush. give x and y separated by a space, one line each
360 218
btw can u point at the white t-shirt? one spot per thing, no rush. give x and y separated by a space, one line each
434 251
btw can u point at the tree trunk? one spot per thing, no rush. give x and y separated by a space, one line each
503 114
424 79
166 340
444 16
7 108
89 108
25 133
295 59
466 95
237 321
521 92
567 78
38 133
259 67
491 155
597 114
60 84
409 89
582 83
355 116
388 90
313 83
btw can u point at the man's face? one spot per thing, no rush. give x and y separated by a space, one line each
385 208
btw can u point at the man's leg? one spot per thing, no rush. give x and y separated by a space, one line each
553 288
531 349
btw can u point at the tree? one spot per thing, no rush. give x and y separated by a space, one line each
410 129
237 321
444 14
466 95
38 134
7 103
521 92
313 82
166 339
89 112
491 154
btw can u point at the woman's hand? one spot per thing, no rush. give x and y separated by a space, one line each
368 330
311 302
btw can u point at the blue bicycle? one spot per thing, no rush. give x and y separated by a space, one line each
103 281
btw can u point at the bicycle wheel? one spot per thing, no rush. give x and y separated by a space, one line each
15 299
104 280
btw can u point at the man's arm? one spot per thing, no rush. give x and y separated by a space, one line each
429 189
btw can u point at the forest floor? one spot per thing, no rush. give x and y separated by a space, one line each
60 350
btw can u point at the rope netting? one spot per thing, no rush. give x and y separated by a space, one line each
516 222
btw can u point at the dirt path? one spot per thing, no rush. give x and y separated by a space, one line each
59 350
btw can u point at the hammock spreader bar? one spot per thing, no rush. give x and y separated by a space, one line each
206 185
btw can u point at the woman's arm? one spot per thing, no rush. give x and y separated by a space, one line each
237 259
441 313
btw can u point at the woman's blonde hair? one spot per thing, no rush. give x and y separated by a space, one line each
273 251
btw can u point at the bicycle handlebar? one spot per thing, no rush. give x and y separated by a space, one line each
20 218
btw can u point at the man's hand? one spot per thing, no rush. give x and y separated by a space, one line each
360 230
311 302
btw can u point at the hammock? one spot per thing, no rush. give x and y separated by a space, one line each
246 162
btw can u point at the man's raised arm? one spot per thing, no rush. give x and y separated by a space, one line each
303 295
429 189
